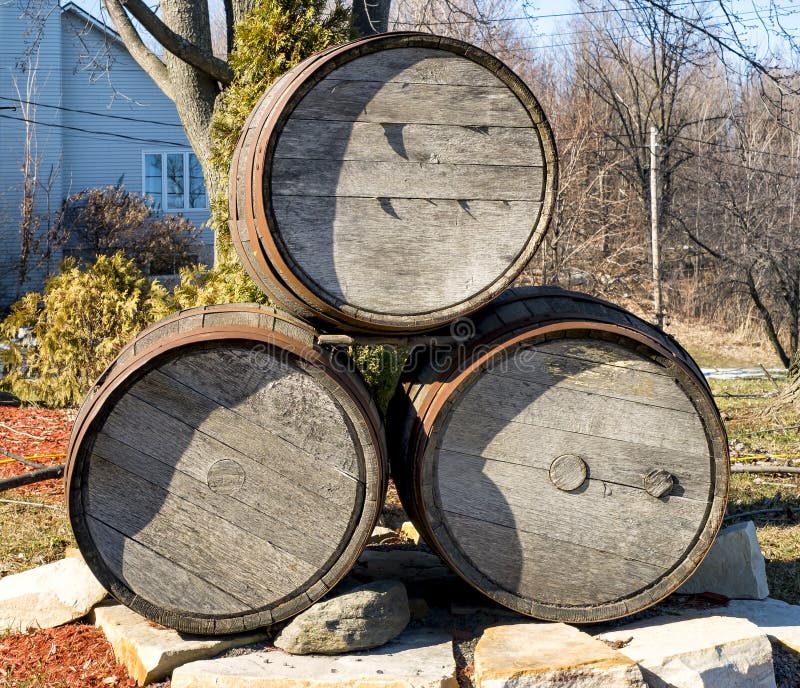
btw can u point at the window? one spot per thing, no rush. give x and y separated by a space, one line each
174 181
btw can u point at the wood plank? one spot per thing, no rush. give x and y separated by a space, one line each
260 440
450 250
622 521
547 368
307 545
545 569
207 546
141 569
382 142
615 461
271 394
416 65
586 413
153 432
406 180
410 103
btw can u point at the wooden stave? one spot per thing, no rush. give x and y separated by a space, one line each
274 328
422 399
270 268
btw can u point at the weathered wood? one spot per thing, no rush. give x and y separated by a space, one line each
569 461
568 472
417 66
419 143
440 230
394 184
224 475
465 105
434 181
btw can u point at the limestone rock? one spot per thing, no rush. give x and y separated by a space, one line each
48 596
409 566
417 659
365 617
550 655
734 566
381 534
700 652
779 620
410 532
150 652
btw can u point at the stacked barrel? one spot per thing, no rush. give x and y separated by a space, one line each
560 454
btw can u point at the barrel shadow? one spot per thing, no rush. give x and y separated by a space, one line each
305 191
177 501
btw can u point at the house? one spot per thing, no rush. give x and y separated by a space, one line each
91 117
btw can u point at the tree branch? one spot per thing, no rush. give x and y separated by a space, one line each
146 59
177 44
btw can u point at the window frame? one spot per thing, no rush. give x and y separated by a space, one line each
186 152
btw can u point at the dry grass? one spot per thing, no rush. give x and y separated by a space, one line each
751 432
31 536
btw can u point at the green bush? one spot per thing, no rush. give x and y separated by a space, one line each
76 327
273 38
226 283
381 367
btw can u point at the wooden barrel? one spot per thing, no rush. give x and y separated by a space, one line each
566 458
392 184
224 473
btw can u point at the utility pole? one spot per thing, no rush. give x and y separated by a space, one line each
659 310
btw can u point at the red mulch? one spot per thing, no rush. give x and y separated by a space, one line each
76 655
33 432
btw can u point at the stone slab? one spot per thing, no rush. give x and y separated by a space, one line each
698 652
410 532
734 566
150 652
381 534
48 596
417 659
778 619
550 655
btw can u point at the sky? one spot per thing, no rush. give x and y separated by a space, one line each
550 28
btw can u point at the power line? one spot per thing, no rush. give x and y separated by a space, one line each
557 15
94 133
89 112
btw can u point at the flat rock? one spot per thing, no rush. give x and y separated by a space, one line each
550 655
48 596
408 566
150 652
417 659
734 566
381 534
359 619
779 620
409 531
701 652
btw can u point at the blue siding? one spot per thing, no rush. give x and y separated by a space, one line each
73 58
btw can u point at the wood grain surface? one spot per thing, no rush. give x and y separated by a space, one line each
568 462
218 483
394 184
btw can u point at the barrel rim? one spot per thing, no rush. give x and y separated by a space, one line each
433 414
275 260
356 408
